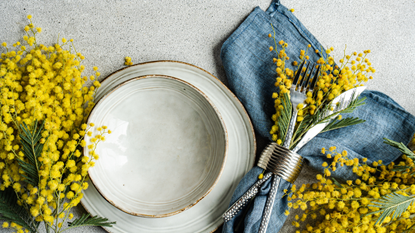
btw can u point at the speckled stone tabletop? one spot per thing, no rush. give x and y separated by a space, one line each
193 31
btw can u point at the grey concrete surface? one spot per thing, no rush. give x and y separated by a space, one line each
194 30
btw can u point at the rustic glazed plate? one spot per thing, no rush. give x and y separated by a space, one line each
167 148
206 216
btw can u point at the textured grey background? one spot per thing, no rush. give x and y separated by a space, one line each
194 30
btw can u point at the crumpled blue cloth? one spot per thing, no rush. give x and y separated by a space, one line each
251 76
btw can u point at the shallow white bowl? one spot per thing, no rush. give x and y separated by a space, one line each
167 149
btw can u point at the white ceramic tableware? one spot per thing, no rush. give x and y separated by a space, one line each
206 216
167 148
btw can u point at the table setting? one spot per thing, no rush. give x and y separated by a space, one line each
184 116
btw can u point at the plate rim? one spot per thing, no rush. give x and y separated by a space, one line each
225 154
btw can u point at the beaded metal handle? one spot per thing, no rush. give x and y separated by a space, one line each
269 204
243 200
281 162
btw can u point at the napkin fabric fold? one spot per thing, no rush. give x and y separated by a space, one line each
251 76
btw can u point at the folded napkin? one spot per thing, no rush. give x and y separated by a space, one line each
251 76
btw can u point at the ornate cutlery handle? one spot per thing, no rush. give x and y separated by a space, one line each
290 130
269 204
241 202
266 216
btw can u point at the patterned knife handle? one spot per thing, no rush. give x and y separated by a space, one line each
244 199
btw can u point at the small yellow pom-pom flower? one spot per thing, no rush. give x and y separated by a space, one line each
4 44
70 195
128 61
75 187
261 176
97 84
292 10
294 187
70 163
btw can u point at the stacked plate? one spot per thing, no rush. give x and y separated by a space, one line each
180 143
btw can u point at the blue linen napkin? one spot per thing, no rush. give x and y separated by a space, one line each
251 76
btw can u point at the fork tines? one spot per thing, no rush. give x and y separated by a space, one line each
303 83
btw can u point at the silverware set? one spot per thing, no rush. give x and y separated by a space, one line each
279 161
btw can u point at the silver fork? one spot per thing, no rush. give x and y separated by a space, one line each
298 93
253 190
287 163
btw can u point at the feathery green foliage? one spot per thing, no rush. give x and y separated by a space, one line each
337 124
337 183
393 205
357 102
32 148
284 118
10 211
409 229
310 121
404 149
85 220
349 109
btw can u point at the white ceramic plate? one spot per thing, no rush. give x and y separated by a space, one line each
167 148
206 216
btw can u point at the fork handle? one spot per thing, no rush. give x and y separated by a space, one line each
290 130
266 216
277 179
